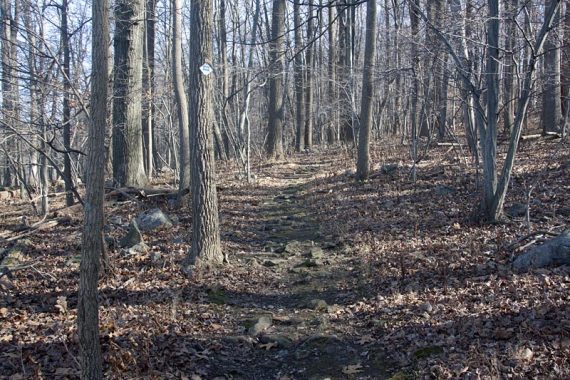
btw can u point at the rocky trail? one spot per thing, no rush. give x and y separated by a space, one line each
328 278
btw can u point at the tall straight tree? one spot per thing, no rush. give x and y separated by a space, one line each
274 146
148 87
181 100
128 165
205 224
65 37
363 163
552 95
92 246
309 95
298 74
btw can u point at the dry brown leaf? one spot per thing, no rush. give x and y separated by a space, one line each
352 369
366 339
61 304
268 346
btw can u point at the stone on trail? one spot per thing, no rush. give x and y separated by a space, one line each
318 305
554 252
281 340
133 237
258 325
152 220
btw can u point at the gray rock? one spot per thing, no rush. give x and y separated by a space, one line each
389 168
133 237
257 326
516 210
315 253
554 252
153 219
280 340
318 305
137 249
443 190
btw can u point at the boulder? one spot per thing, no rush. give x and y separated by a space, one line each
153 219
554 252
258 325
133 237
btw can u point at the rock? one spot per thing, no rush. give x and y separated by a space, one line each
426 307
156 257
554 252
516 210
389 168
257 326
115 219
273 262
316 253
133 237
153 219
564 211
443 190
13 257
318 305
138 249
294 247
281 340
309 263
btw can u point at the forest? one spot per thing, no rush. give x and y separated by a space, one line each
284 189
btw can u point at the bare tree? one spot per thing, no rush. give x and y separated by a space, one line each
128 165
92 246
363 164
181 100
274 145
205 224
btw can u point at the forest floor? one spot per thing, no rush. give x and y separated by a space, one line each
328 279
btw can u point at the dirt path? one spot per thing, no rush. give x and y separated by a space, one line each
295 328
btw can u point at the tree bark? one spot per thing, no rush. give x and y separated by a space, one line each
92 246
205 225
363 164
299 82
66 117
128 157
274 145
551 96
148 87
309 75
181 99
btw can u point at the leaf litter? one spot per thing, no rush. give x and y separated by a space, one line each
410 282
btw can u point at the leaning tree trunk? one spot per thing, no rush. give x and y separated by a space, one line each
205 225
128 157
363 164
181 100
274 146
92 246
509 66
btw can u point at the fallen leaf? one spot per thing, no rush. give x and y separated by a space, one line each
268 346
352 369
366 339
61 304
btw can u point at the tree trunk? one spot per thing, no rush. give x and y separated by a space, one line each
148 87
274 146
333 97
309 75
299 82
511 10
415 25
551 96
68 180
205 225
128 157
92 246
363 164
180 93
